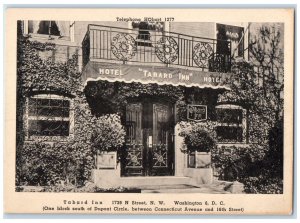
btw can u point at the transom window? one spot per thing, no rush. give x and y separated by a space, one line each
231 123
49 116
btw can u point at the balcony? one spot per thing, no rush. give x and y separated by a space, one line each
136 46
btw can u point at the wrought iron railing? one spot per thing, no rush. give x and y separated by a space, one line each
153 47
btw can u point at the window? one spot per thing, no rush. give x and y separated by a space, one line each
229 133
148 32
49 115
231 124
49 28
235 34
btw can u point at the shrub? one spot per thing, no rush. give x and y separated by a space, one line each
46 164
263 184
236 162
197 137
249 165
109 134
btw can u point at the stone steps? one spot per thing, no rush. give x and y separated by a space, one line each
186 191
154 181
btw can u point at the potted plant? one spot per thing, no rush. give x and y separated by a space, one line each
198 143
107 137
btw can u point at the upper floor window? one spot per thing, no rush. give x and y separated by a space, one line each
50 28
235 34
148 32
231 127
49 115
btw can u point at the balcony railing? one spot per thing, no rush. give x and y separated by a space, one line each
156 48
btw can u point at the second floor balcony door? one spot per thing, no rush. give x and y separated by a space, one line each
234 34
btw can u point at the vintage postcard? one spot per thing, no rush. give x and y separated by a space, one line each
149 111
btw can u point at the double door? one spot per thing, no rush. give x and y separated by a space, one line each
149 139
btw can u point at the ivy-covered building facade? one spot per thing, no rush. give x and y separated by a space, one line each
132 103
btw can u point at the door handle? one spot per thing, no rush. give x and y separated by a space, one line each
150 141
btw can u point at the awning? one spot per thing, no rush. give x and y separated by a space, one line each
95 71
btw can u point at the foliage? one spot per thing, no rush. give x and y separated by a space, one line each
48 161
250 165
48 165
109 134
19 189
197 136
257 86
236 162
275 153
113 97
263 184
245 91
269 179
38 74
266 53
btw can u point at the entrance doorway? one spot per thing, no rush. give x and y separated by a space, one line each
149 139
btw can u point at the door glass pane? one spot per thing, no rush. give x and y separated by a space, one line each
160 123
134 144
133 124
161 118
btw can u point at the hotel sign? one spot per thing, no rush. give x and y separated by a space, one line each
197 112
153 74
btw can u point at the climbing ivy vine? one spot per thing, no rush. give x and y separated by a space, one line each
41 161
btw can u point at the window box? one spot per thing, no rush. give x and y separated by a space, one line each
106 160
199 160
